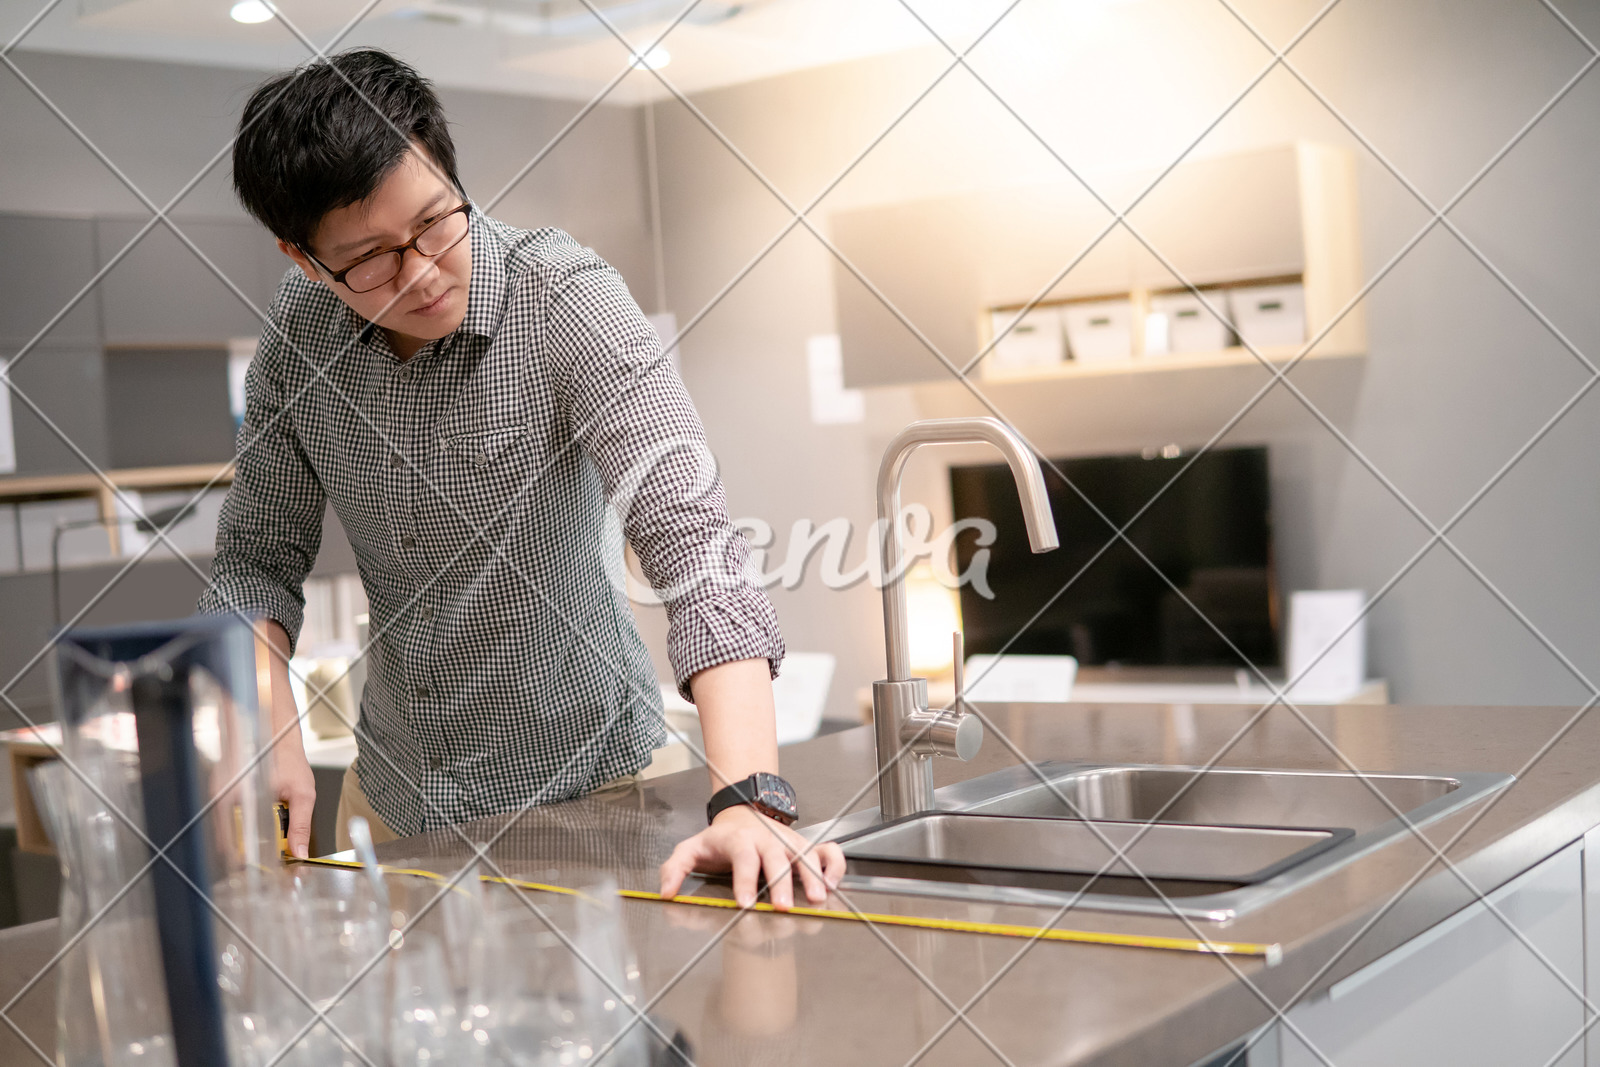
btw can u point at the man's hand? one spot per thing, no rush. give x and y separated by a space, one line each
291 778
749 843
295 785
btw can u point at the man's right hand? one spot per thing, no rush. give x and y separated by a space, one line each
295 785
291 778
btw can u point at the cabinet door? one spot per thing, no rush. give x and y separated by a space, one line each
162 294
47 261
1467 992
68 386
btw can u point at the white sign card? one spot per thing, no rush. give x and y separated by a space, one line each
1317 619
8 440
831 402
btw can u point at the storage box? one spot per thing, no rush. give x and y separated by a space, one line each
1190 325
1099 331
1269 314
1035 341
83 543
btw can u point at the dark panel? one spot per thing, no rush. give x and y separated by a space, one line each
162 293
167 406
67 385
44 261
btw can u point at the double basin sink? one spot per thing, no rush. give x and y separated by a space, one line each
1207 843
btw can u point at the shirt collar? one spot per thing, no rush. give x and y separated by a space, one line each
486 294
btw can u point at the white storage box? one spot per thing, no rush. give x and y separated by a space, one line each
1269 314
85 542
1036 341
1100 331
1190 325
1045 679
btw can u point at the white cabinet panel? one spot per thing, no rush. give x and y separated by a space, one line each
1591 936
1467 993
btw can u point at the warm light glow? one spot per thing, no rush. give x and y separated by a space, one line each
933 613
251 11
655 59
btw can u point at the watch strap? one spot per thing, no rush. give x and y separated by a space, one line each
767 793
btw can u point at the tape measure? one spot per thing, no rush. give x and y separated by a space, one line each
1272 954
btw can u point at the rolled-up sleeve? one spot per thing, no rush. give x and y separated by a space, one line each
629 409
271 524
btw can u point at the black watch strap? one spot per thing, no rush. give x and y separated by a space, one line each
767 793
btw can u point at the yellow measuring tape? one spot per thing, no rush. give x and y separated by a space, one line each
1271 953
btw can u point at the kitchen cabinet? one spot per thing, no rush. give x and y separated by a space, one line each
47 260
945 265
67 382
1466 992
162 294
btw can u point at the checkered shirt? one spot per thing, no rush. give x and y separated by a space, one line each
486 485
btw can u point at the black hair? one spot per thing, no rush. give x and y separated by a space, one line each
323 136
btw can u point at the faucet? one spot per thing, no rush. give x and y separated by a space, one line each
907 734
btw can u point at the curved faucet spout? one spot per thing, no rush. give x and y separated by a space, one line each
1030 487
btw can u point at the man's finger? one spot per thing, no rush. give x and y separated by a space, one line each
746 866
809 866
683 860
831 857
780 890
300 808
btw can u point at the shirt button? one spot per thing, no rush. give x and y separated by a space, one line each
435 762
396 460
422 692
425 611
480 459
408 542
405 373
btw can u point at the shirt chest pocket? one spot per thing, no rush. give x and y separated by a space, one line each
481 448
488 448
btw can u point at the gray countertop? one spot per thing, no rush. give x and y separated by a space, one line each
770 989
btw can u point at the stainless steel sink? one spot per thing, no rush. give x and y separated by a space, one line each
1207 831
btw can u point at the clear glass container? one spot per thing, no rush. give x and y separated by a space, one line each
163 798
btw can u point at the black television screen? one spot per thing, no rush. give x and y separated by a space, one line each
1209 533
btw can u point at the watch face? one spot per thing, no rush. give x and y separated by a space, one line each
775 793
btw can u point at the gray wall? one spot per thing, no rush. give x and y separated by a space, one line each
1458 378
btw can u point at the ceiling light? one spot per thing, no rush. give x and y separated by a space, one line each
655 59
251 11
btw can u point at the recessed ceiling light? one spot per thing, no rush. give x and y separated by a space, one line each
655 59
251 11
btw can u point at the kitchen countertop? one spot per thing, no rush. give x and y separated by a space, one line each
800 990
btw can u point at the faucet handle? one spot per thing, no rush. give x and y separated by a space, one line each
957 651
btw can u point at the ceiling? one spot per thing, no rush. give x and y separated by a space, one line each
553 48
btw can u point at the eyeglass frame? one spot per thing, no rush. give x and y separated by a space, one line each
411 246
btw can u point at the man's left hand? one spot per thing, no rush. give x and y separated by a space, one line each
743 840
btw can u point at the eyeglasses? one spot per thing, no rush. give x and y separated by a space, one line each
381 267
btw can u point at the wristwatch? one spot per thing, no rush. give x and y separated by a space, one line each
767 793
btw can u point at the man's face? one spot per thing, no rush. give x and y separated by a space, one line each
428 298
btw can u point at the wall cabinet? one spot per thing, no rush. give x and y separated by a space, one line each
162 294
67 382
1467 992
47 260
146 344
945 264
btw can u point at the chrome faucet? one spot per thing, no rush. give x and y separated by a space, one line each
907 734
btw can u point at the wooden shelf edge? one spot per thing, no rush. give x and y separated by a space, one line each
1227 357
175 477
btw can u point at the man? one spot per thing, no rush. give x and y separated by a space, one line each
467 396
